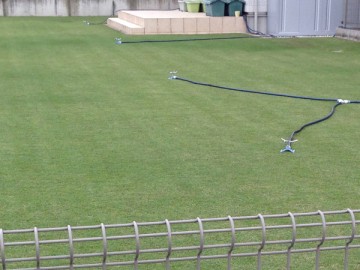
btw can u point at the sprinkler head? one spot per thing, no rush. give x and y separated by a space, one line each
287 149
118 41
288 146
172 75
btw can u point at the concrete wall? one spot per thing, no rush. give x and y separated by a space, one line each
79 7
34 8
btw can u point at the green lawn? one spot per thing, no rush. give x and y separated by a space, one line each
95 132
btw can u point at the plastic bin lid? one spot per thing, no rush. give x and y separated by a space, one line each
230 1
209 2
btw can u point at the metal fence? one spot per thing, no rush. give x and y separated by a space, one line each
233 242
352 14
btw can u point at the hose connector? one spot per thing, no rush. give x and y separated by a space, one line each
172 75
343 101
118 41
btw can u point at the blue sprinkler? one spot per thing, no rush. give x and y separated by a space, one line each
288 146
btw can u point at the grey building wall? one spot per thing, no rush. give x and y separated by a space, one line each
78 7
304 17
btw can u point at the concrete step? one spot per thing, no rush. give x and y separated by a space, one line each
174 22
125 26
131 17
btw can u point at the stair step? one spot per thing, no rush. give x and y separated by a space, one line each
174 22
125 26
132 18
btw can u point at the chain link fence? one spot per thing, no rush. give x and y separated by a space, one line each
327 239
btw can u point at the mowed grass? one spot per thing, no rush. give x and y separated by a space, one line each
95 132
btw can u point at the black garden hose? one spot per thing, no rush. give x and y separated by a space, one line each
292 137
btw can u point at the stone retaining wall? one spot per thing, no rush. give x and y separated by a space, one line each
79 7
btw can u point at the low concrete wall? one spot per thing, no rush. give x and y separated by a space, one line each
352 34
79 7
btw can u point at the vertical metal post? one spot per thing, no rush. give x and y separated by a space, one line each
353 232
105 246
263 241
233 241
137 239
2 250
256 14
37 247
292 241
71 247
322 239
202 241
168 226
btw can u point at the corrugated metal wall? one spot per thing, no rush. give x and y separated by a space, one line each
304 17
352 14
257 14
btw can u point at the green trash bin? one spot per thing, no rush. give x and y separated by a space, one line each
234 5
193 5
215 8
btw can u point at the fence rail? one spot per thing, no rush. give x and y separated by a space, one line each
169 242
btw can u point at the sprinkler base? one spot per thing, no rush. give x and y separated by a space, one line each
287 149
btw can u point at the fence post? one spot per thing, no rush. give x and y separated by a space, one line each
137 239
263 241
105 246
293 223
353 231
71 247
37 247
322 239
168 226
2 250
202 242
233 241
